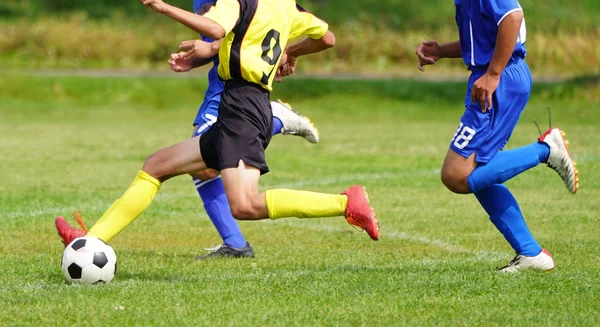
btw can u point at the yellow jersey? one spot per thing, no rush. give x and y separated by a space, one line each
256 32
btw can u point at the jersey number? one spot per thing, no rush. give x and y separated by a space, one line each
266 47
466 134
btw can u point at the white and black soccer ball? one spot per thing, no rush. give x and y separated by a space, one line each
88 260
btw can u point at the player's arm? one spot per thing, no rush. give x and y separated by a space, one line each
429 52
319 38
200 49
508 34
200 53
450 50
180 65
310 45
210 27
508 15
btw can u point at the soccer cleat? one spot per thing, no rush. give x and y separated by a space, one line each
359 213
225 250
542 261
68 233
560 158
293 123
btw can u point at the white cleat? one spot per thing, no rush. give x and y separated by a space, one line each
542 261
560 158
293 123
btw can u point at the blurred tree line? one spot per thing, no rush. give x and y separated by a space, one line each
556 15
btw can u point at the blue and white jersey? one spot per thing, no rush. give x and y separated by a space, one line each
215 85
478 22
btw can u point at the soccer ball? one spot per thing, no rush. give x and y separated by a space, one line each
88 260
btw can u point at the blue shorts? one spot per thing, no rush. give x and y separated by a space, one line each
486 133
207 115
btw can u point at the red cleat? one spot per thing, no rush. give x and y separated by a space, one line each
68 233
359 213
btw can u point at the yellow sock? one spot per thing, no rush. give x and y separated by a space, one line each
303 204
107 212
125 210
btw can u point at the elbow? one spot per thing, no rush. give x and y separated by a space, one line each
328 40
215 32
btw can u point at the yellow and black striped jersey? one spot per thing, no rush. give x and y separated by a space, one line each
256 32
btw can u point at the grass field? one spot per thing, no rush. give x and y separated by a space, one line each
69 143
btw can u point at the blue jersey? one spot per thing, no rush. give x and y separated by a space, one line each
478 22
215 85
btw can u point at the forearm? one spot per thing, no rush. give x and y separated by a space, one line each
197 23
450 50
508 33
199 62
213 51
308 45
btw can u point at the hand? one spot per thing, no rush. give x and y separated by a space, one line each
157 5
287 66
178 64
482 90
428 52
197 49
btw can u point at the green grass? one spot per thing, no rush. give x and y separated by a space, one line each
71 143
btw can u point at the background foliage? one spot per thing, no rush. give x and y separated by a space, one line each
374 37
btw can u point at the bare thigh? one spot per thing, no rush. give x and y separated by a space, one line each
181 158
205 174
241 186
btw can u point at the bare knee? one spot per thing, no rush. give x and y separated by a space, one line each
245 210
456 171
455 181
156 166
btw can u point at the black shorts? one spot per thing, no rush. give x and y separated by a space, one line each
242 131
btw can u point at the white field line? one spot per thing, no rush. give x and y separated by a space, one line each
479 255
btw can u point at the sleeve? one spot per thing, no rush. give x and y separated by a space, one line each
499 9
225 13
305 23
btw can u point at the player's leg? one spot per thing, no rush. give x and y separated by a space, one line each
181 158
241 185
474 161
289 122
479 138
209 186
240 139
484 134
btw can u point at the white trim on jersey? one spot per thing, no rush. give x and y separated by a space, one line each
508 13
472 46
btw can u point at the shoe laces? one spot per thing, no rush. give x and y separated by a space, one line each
79 219
549 121
214 248
515 261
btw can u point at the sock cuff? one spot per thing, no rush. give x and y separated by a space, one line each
471 184
201 183
144 175
269 203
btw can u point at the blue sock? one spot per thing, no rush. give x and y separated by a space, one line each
505 214
217 207
277 125
507 164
